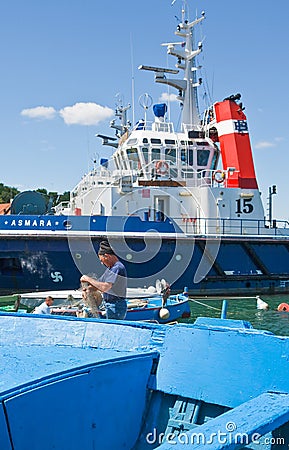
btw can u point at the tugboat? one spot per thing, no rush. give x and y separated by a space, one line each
179 204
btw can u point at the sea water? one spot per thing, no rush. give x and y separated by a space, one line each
241 308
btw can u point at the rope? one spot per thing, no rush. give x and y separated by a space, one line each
204 304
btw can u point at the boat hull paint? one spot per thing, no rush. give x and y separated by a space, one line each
176 309
221 340
235 265
76 367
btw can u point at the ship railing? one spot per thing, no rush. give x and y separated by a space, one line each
225 226
186 127
174 169
166 127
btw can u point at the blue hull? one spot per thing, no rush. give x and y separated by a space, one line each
57 259
144 309
112 385
176 308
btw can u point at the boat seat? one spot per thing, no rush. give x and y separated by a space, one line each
136 303
239 427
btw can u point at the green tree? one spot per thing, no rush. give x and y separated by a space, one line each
7 193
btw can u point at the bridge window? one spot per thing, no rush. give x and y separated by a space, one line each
123 160
214 160
187 143
132 141
203 157
170 141
132 155
187 156
170 154
145 153
116 162
156 154
156 141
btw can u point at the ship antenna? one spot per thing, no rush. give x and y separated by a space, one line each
184 10
145 102
132 80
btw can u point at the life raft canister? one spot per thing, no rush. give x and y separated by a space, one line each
162 168
283 307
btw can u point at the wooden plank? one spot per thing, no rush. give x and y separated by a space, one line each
236 428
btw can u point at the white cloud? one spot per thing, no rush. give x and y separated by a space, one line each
165 97
264 144
85 114
77 114
39 112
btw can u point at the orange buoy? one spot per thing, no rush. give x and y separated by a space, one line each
283 307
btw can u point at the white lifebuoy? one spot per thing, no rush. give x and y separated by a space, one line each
219 176
162 168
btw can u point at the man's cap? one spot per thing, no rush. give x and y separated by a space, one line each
105 248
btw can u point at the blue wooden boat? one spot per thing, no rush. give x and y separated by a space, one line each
176 307
87 384
143 304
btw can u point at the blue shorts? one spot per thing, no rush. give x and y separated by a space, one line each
116 310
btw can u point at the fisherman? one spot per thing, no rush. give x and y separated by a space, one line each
44 308
112 283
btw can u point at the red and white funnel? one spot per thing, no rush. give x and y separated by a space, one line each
235 144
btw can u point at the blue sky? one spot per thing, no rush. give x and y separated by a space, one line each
64 63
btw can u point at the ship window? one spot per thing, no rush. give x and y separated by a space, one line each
170 154
214 160
156 154
116 163
203 143
190 157
202 157
145 153
156 141
131 141
123 161
187 156
170 141
132 155
187 143
183 155
145 140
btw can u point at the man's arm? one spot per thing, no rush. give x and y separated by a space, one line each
102 286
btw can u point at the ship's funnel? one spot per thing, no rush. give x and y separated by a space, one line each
235 144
